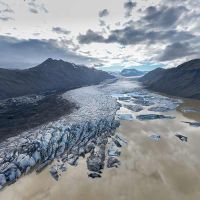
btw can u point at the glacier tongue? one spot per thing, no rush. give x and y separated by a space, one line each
67 138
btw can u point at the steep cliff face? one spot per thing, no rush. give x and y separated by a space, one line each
51 75
183 80
69 136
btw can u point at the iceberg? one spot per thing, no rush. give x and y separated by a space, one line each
153 117
126 117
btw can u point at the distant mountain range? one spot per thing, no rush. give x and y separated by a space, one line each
183 81
51 75
131 72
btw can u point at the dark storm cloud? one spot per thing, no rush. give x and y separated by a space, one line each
163 16
176 51
36 8
130 35
90 37
169 36
127 36
157 25
60 30
17 53
129 5
103 13
124 36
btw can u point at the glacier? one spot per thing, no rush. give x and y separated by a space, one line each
68 138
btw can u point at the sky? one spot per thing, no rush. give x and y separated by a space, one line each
106 34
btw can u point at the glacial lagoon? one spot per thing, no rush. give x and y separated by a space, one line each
151 167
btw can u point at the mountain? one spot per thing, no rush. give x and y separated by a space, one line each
183 81
51 75
131 72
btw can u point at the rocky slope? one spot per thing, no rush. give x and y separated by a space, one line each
131 72
23 113
183 81
66 139
51 75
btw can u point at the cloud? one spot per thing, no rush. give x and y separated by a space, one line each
5 12
69 44
5 18
60 30
129 5
154 29
127 36
169 36
90 37
153 43
176 51
5 8
36 34
102 23
117 23
163 16
131 35
103 13
36 8
18 53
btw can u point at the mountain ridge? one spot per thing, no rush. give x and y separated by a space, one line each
131 72
50 75
183 80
